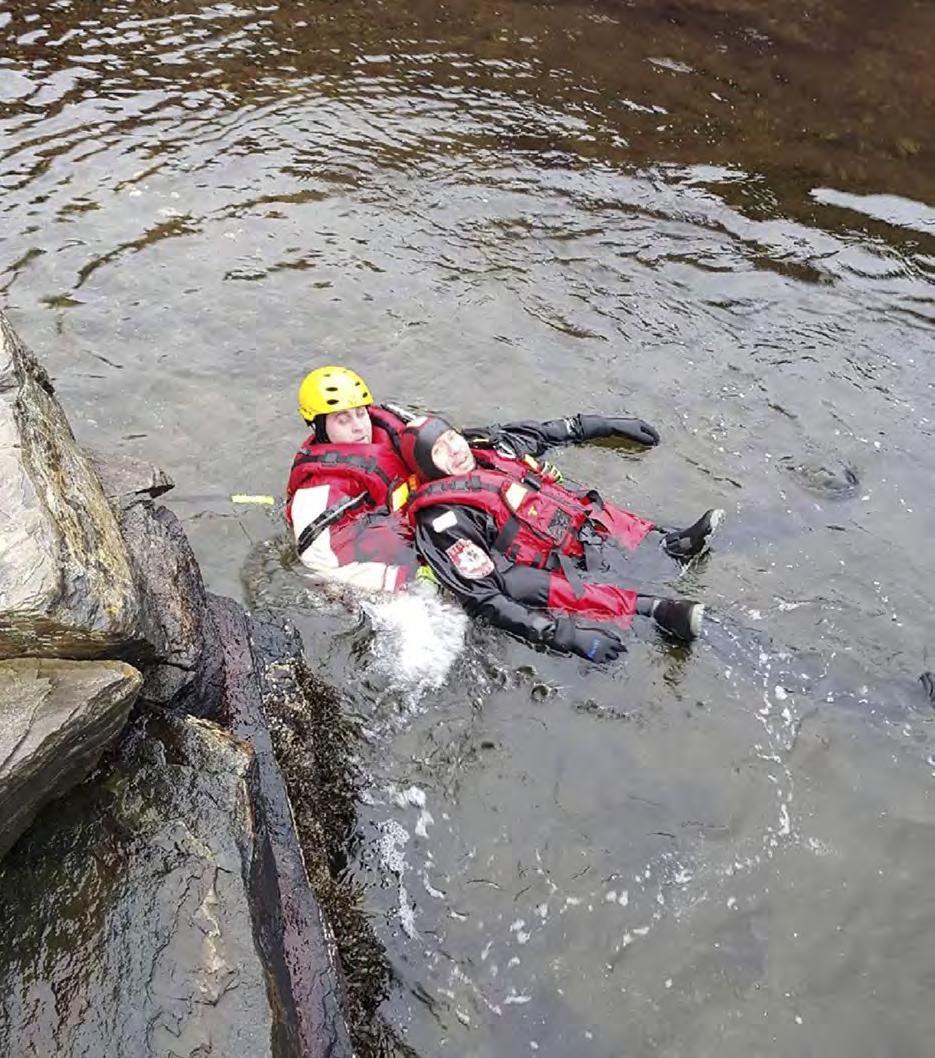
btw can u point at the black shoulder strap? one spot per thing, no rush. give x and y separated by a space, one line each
471 483
328 517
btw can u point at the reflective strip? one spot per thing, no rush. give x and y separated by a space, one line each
445 521
399 496
515 495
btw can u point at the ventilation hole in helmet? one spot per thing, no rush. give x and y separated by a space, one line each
331 400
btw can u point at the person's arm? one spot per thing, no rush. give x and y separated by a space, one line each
454 542
534 438
339 538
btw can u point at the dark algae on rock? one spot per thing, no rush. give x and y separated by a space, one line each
315 744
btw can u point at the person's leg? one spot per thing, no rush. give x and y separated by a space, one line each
602 602
686 544
623 528
605 602
677 617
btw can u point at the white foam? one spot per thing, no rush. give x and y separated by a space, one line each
418 637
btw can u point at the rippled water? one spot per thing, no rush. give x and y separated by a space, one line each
719 217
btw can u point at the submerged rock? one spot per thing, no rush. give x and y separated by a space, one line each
56 718
830 477
129 929
66 587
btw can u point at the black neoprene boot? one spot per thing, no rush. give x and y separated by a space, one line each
679 618
686 544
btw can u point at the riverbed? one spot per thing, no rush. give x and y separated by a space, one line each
719 217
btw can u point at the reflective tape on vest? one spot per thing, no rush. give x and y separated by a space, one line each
515 495
399 497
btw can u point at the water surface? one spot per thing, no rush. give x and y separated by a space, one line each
716 216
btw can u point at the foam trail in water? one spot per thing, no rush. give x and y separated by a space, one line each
418 637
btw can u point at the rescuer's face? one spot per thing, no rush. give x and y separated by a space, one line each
452 454
350 427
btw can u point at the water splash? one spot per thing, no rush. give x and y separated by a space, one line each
417 639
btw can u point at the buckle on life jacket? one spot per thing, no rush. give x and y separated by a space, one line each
589 535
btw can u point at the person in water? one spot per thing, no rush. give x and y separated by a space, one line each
348 488
511 542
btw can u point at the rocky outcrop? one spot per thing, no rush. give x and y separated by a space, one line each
164 906
179 883
299 936
152 879
66 586
125 480
56 718
173 598
183 671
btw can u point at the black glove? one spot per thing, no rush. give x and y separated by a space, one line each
586 640
594 426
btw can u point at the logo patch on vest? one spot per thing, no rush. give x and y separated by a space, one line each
558 527
470 560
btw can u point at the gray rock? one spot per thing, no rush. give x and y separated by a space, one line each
143 942
126 480
257 659
56 718
172 594
66 587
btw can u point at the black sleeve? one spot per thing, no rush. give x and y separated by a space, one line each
455 542
528 438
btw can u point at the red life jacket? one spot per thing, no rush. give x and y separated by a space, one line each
389 422
374 469
537 522
376 476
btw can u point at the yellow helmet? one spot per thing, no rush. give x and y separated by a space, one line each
328 389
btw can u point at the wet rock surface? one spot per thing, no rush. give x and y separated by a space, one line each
173 599
174 911
56 718
297 939
166 575
126 480
130 930
66 587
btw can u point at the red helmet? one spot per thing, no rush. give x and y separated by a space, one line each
416 446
